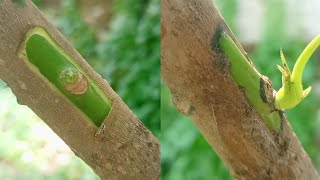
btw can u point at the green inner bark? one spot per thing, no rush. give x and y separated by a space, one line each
51 62
245 76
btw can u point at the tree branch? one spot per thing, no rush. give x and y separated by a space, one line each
200 80
121 148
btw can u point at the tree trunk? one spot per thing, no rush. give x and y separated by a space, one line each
121 148
203 88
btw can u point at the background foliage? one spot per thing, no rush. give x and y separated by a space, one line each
185 153
127 56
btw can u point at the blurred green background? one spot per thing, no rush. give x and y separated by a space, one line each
121 40
263 27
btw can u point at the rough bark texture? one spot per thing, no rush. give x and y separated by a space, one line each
203 89
122 148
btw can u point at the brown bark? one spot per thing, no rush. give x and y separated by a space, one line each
203 89
122 148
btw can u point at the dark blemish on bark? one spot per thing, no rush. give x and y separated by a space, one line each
249 109
268 171
215 44
262 91
163 31
149 144
175 33
220 59
266 90
122 145
284 146
223 64
97 158
191 110
19 2
147 154
242 89
282 116
241 174
99 135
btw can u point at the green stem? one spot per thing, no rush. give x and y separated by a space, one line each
303 59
